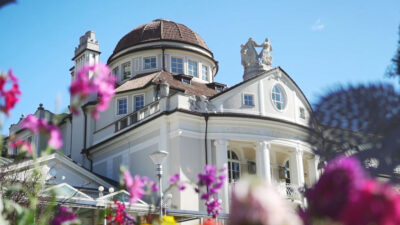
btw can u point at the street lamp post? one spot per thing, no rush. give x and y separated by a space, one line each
158 158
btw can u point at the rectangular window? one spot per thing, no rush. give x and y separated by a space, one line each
122 106
177 65
149 63
248 100
192 68
116 72
126 70
139 102
204 72
302 113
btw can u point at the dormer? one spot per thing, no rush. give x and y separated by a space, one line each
217 86
186 79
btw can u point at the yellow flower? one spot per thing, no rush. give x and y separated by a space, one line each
168 220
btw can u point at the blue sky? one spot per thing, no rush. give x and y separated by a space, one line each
319 43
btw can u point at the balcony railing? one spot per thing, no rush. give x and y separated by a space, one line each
137 116
290 191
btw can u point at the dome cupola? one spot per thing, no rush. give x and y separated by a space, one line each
163 45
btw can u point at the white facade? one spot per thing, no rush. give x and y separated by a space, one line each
246 127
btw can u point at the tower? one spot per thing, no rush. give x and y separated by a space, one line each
87 52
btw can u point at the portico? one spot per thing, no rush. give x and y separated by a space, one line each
285 164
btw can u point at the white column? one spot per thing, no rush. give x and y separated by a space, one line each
296 167
313 173
263 161
221 160
261 97
274 167
163 146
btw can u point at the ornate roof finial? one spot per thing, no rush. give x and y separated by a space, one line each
40 106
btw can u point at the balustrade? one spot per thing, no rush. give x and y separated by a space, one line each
137 116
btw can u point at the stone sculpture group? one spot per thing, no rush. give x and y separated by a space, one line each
250 56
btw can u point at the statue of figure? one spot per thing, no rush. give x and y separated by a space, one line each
243 55
249 53
264 55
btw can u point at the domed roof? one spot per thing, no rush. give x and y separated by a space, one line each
160 30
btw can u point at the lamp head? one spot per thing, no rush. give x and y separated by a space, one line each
158 157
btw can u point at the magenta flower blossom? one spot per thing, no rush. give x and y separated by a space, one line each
213 182
135 186
64 215
41 125
55 140
101 83
375 203
120 217
150 184
11 96
174 180
22 144
340 181
127 178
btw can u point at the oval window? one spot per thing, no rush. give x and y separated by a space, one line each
278 97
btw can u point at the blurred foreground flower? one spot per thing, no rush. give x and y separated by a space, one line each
120 217
168 220
211 221
257 203
175 181
93 79
22 145
11 96
340 181
375 203
65 216
213 182
135 186
344 195
41 125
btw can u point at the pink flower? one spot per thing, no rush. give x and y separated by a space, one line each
22 144
174 180
55 140
64 215
101 83
375 203
135 186
254 202
10 96
121 217
150 184
127 178
41 125
136 190
340 181
213 182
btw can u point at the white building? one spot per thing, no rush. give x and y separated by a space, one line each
167 99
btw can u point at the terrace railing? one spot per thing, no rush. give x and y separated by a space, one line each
137 116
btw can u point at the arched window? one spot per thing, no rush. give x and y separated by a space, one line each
233 166
278 97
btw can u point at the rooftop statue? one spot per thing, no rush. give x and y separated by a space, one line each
249 53
250 56
264 55
253 62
